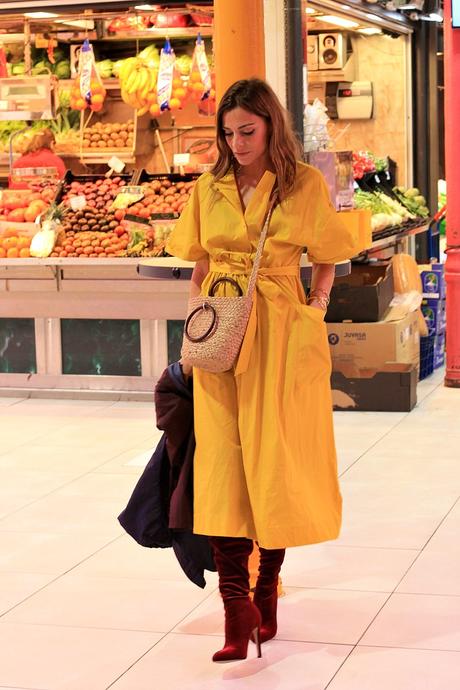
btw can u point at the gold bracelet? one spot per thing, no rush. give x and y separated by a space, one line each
322 301
325 295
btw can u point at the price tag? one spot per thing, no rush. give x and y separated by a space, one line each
181 159
78 203
116 164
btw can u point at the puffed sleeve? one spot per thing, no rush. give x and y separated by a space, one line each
184 241
328 239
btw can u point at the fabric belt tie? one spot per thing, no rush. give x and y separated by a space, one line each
249 337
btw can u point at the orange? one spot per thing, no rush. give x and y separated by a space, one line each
176 83
95 107
2 253
198 87
154 109
9 242
174 103
195 76
24 253
23 242
97 98
12 253
179 93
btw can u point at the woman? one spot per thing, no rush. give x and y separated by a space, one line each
40 154
265 464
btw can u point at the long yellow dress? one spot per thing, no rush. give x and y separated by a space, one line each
265 464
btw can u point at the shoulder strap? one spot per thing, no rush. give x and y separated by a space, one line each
260 246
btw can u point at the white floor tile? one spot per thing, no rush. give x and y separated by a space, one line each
115 603
434 572
58 658
307 615
417 620
342 567
46 552
183 662
15 587
373 668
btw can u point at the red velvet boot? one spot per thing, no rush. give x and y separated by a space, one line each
242 618
266 593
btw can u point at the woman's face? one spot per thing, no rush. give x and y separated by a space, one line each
246 135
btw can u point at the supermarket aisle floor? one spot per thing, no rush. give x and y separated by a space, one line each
82 607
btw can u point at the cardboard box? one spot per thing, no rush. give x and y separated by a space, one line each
439 350
364 295
434 313
434 282
391 389
372 345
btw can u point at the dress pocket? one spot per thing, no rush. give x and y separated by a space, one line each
314 312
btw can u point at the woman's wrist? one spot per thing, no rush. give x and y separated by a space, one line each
318 298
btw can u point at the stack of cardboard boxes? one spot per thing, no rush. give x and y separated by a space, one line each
432 347
374 347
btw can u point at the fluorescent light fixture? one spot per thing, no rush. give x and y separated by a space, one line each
147 8
345 7
85 24
40 15
369 31
339 21
310 10
374 17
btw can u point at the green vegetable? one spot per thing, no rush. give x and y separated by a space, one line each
105 68
62 69
18 69
413 191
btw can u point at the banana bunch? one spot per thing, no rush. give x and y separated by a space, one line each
138 83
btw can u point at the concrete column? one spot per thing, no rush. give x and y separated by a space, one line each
239 42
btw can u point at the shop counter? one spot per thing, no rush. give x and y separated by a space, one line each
102 327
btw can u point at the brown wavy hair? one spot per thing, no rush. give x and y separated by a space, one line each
257 97
43 139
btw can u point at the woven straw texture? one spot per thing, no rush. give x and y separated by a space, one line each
219 351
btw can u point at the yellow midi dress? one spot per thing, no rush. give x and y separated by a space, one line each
265 464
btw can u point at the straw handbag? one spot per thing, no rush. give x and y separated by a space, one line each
215 326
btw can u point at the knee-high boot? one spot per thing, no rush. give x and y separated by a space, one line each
242 617
266 593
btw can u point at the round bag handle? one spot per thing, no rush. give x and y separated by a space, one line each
200 338
225 280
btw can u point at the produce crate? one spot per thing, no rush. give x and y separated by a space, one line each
105 152
144 176
87 177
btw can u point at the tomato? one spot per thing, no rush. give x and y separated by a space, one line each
119 214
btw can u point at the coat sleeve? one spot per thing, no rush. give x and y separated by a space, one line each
327 238
185 240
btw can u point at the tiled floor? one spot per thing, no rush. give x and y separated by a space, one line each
82 607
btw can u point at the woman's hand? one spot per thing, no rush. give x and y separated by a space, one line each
187 368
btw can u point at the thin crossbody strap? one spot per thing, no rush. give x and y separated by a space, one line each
260 247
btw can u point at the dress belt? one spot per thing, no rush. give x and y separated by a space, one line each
291 270
250 334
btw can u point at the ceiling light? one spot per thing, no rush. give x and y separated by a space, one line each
374 17
310 10
147 8
339 21
369 31
40 15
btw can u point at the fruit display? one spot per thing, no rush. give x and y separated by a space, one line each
138 82
109 135
413 200
14 245
21 206
88 90
386 211
149 241
162 196
99 193
90 244
93 220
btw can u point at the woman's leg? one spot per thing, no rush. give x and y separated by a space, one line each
242 618
266 593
